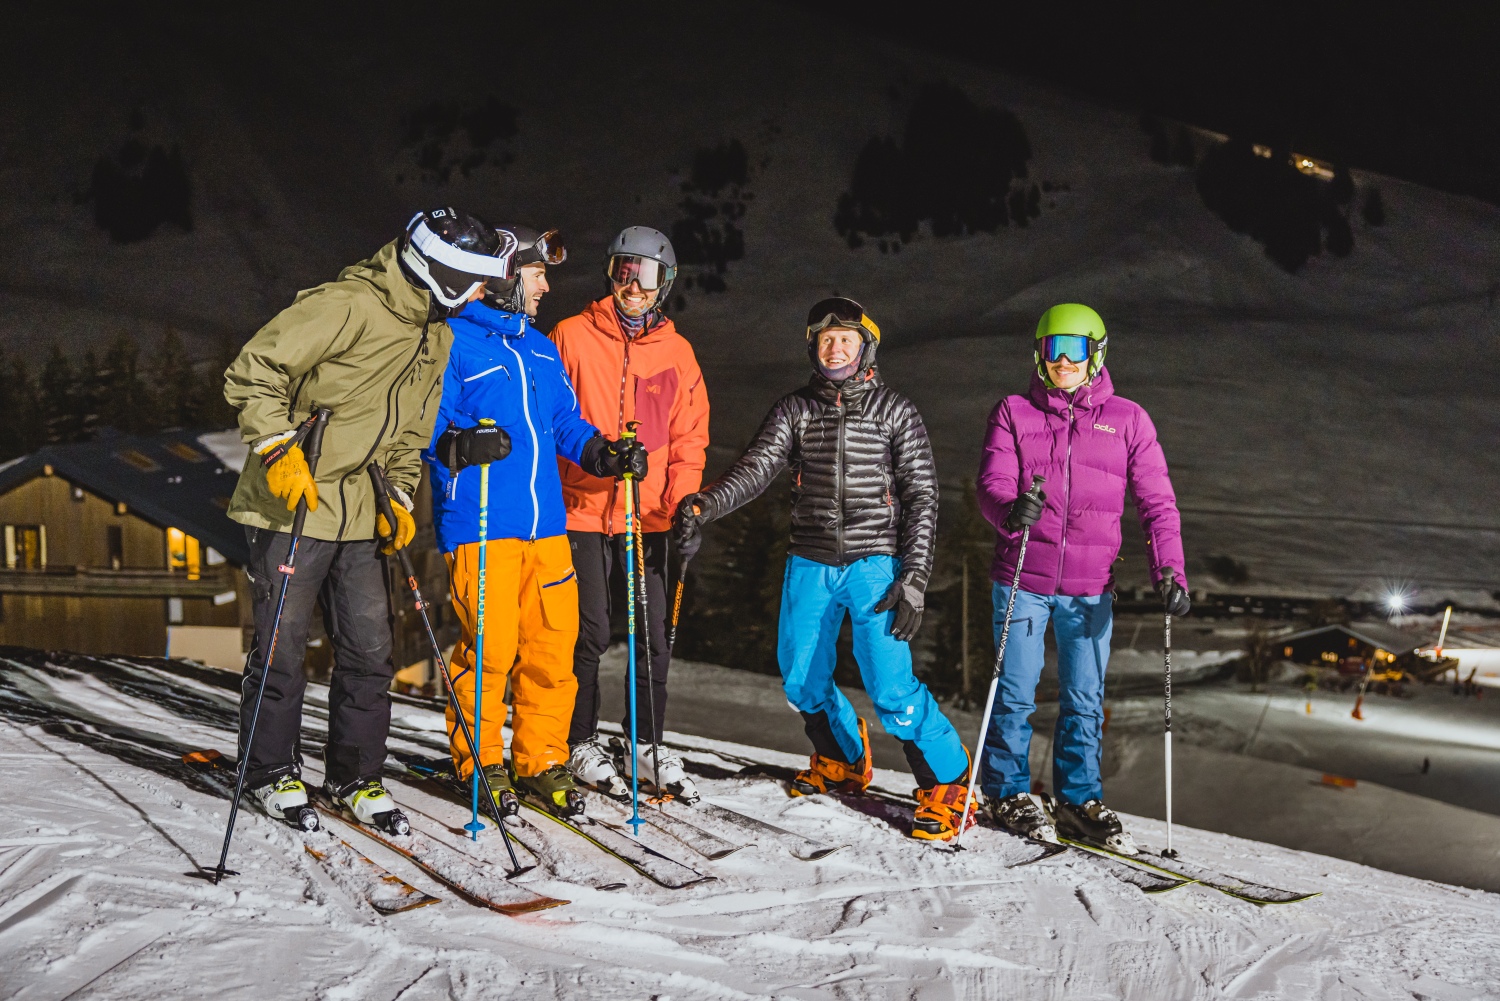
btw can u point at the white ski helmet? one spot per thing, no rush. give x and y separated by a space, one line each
532 247
645 255
452 253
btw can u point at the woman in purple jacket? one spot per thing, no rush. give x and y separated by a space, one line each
1090 446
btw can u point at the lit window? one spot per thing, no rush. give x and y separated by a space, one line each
183 552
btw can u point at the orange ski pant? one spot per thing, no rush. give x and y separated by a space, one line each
530 626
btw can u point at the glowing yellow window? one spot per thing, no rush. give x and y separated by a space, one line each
182 552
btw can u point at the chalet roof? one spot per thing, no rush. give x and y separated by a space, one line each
1376 634
170 479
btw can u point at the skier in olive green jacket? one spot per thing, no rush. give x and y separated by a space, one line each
371 347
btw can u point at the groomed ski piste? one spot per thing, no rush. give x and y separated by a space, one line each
105 830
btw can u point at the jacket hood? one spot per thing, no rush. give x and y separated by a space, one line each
601 313
384 275
488 318
1090 396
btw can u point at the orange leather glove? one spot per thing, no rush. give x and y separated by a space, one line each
406 530
291 480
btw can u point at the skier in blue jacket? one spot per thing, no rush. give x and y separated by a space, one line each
502 370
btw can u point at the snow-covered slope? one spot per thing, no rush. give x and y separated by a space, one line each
95 900
1332 430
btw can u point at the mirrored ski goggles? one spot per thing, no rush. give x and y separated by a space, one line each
1074 347
649 272
839 312
548 249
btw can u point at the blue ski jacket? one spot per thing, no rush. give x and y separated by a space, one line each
503 368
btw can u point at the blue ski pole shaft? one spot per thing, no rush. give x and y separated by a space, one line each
310 435
635 784
474 826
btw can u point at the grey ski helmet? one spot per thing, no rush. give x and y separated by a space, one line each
532 247
452 253
630 258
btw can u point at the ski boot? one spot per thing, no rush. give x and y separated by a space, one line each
592 765
368 803
1022 814
653 760
823 774
937 814
1093 823
286 799
505 795
554 791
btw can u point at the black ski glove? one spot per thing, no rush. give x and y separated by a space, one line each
906 599
1173 596
1025 511
687 525
604 458
460 448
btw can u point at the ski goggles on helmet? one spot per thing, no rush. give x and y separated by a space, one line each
652 274
1075 347
839 312
547 249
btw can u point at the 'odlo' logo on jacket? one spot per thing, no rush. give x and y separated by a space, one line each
1104 427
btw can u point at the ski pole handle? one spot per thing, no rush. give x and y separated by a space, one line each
312 451
384 508
629 435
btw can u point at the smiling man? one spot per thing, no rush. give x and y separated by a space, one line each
629 363
864 519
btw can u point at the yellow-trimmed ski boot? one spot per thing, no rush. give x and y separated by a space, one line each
936 817
554 791
368 803
823 774
286 799
498 778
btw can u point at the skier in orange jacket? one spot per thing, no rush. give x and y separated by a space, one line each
628 363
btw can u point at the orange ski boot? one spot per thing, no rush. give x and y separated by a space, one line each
936 817
823 774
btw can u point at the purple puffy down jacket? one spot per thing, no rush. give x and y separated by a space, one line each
1090 447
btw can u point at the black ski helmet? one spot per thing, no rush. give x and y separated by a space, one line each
452 253
532 247
841 311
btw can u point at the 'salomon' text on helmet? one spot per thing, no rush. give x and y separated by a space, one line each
452 253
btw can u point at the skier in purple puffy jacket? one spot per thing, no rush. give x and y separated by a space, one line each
1090 446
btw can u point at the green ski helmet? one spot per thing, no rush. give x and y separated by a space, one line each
1058 333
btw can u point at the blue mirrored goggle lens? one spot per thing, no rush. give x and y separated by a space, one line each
1075 347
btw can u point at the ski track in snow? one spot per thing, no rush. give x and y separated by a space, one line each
94 902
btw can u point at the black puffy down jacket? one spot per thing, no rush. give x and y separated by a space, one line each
864 478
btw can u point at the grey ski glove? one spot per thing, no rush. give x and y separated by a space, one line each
907 600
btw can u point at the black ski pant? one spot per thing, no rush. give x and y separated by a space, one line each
599 560
350 578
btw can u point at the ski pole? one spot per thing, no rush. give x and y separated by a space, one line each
640 561
383 505
1166 646
677 606
474 826
310 436
635 820
989 702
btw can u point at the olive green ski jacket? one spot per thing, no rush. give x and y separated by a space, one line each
363 346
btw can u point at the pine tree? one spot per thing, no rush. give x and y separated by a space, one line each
180 393
121 398
59 393
22 426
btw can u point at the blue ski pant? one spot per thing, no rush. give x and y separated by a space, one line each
1082 627
814 600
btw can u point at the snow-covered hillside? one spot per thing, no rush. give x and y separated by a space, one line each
1333 430
96 900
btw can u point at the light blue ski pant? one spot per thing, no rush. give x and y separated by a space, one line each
1082 627
814 600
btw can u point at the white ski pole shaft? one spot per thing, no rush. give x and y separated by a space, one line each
989 701
1166 645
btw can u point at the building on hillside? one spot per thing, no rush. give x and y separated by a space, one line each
1352 648
122 545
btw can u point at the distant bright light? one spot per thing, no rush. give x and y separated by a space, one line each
1396 602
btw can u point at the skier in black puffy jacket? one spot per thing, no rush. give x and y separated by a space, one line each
864 521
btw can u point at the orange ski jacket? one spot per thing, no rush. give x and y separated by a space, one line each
653 378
